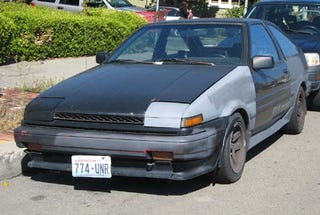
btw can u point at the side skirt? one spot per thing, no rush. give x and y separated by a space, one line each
259 137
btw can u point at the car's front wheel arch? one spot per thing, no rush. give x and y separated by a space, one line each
229 171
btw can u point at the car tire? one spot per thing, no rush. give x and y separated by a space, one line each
314 101
296 123
235 144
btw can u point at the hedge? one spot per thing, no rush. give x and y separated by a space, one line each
7 33
35 33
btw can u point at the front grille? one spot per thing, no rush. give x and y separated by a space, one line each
80 117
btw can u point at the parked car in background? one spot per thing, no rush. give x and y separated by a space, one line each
300 20
176 100
172 13
77 6
151 15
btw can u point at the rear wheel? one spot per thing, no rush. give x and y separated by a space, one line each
234 153
296 123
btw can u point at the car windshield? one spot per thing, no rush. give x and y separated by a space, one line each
214 44
301 18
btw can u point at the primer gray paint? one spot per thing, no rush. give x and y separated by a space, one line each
234 91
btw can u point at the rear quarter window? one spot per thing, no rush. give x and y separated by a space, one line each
287 47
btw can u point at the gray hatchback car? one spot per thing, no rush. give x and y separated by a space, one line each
175 101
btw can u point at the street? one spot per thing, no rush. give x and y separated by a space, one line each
281 176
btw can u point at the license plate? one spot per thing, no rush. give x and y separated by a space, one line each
91 166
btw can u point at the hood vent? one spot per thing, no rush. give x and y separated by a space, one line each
80 117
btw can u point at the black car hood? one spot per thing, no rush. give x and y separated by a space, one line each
129 89
308 43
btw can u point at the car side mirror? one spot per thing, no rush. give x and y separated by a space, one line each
262 62
101 57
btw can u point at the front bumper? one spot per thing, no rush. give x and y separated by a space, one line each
314 78
193 155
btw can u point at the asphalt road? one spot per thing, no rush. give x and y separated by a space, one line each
281 176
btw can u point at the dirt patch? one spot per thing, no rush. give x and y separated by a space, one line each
6 136
12 104
14 97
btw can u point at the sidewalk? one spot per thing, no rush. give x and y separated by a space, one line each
16 75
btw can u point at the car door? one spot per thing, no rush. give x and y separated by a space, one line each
271 84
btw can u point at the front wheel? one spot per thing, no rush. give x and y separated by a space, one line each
234 153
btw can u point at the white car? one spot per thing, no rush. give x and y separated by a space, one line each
76 5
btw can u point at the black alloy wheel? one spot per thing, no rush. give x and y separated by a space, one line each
234 153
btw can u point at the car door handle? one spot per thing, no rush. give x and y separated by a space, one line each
60 8
285 71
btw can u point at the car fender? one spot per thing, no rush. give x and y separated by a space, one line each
232 92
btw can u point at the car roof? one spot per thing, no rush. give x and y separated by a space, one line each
211 21
287 1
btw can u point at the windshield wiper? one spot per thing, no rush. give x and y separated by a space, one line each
130 61
182 60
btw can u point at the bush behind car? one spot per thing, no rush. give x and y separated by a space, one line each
34 33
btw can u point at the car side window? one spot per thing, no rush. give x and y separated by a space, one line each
70 2
262 44
284 42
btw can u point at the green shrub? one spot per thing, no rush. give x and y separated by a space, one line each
7 33
235 12
130 19
41 32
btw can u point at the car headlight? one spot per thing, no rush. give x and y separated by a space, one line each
170 115
312 59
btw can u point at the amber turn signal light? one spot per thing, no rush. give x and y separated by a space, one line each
161 156
34 146
192 121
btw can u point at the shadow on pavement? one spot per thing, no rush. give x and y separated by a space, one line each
134 185
263 145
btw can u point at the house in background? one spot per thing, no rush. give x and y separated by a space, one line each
223 4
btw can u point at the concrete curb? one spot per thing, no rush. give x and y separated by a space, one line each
10 160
